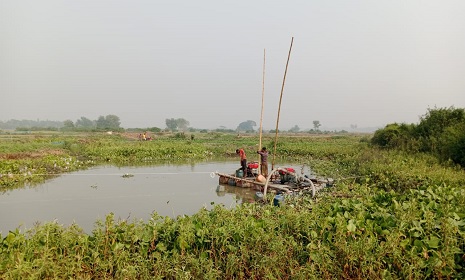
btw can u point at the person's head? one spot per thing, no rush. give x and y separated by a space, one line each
237 151
264 149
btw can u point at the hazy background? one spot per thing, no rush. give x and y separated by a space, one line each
364 63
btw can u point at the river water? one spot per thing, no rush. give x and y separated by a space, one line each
84 197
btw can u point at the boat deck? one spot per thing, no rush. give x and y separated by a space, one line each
274 185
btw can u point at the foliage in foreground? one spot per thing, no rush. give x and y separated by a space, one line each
352 232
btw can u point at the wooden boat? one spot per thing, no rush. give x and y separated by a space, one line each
280 180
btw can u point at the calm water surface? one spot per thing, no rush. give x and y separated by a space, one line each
87 196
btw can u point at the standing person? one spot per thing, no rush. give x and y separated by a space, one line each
264 161
241 153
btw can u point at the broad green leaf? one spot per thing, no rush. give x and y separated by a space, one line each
404 243
351 227
433 242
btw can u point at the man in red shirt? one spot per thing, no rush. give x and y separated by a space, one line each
241 153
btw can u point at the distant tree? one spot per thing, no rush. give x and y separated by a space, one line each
101 123
154 129
316 125
295 129
246 126
171 124
176 124
68 125
113 121
84 122
224 130
13 124
182 124
36 128
110 122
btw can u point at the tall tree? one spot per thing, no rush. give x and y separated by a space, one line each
182 124
171 124
113 121
246 126
175 124
316 124
295 129
84 123
110 122
68 125
101 123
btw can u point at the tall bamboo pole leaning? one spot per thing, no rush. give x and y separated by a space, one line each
261 115
279 108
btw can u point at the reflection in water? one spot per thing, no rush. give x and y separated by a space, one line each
242 195
130 193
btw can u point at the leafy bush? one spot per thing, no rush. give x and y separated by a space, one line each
452 144
440 132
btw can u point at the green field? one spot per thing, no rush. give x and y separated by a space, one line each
390 215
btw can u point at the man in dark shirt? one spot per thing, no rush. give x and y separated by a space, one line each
264 161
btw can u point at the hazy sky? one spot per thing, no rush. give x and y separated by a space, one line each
364 63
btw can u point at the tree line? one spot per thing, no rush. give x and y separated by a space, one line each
102 123
113 123
441 131
14 124
108 122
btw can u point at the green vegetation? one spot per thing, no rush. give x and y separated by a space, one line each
441 131
392 214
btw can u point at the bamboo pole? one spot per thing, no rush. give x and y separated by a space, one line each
279 108
261 116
